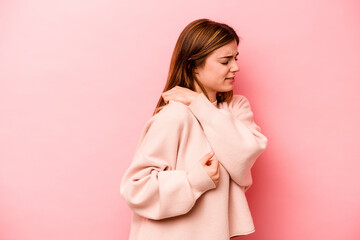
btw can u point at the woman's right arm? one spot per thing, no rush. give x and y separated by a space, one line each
150 186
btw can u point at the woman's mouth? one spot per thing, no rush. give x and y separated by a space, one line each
230 79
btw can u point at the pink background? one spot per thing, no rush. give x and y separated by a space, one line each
79 79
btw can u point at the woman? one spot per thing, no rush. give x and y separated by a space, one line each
175 186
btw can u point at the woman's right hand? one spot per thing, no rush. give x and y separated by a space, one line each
211 166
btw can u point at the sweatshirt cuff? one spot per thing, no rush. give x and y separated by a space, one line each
199 180
203 109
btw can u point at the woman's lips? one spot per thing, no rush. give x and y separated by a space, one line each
230 79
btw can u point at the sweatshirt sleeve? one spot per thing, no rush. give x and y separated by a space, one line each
151 186
233 135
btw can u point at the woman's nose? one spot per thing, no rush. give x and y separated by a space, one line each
235 67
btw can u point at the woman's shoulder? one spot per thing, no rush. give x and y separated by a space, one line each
237 98
167 124
174 113
238 101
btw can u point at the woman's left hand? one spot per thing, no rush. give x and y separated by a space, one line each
180 94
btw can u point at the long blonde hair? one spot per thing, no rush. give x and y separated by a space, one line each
198 39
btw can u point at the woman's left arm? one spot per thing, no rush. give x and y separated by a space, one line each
234 136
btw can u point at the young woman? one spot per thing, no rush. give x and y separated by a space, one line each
192 164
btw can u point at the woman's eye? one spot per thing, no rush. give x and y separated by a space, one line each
228 62
225 63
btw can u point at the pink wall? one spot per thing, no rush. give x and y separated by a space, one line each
79 79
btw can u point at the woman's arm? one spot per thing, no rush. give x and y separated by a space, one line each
234 136
149 186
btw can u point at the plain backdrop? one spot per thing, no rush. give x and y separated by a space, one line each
79 79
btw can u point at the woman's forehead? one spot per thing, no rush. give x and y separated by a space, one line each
227 50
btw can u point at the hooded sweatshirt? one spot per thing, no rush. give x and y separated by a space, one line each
168 189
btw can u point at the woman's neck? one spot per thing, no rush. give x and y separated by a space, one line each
211 94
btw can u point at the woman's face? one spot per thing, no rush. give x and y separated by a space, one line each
219 66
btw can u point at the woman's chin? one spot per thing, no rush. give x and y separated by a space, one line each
229 87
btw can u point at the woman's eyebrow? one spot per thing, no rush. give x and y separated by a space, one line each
228 56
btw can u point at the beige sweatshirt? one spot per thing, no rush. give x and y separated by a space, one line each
167 188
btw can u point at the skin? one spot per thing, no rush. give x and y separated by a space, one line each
212 75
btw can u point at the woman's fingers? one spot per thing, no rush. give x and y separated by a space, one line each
211 166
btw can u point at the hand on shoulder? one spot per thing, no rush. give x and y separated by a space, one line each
180 94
